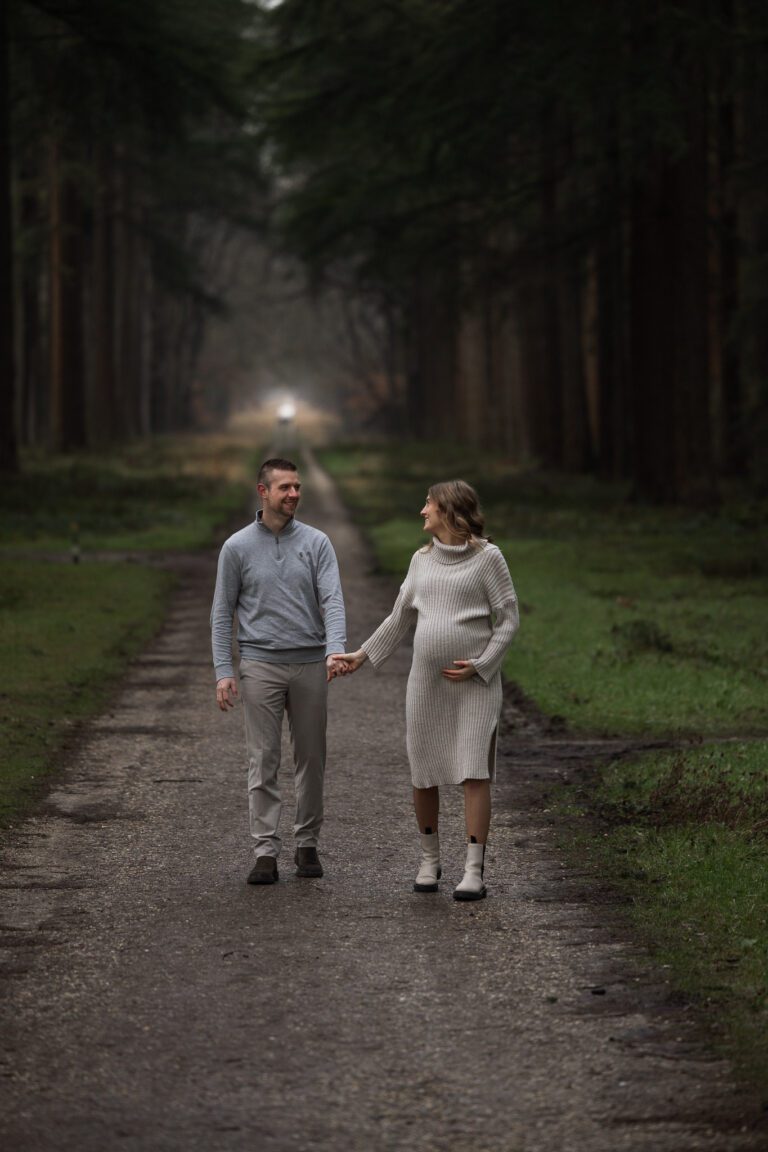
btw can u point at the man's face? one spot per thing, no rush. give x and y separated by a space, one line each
283 493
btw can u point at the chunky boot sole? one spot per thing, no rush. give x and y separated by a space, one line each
481 895
428 887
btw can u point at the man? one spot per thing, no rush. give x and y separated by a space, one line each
282 579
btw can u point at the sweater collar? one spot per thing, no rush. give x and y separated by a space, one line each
451 553
286 531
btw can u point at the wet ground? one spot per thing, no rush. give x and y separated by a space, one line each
153 1001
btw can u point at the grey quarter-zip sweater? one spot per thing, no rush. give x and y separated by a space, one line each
286 591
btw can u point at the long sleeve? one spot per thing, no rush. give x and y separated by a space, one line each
503 602
223 610
392 631
331 600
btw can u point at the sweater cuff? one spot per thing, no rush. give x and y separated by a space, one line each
224 672
373 656
486 670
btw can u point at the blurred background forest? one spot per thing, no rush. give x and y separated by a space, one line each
537 227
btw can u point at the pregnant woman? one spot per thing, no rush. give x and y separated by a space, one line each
459 593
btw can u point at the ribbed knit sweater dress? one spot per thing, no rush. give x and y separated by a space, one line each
464 606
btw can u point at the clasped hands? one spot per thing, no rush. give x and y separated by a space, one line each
342 663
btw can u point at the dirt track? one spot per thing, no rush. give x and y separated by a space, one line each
155 1002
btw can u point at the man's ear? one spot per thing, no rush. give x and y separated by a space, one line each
262 490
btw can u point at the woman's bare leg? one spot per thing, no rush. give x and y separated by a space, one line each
477 809
426 802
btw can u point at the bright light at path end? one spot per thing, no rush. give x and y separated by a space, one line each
287 411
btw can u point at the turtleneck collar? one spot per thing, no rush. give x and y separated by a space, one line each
451 553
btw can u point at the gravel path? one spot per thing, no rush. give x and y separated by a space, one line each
155 1002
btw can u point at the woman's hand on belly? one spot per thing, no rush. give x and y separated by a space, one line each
462 670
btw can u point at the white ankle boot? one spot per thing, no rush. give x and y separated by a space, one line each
429 870
471 886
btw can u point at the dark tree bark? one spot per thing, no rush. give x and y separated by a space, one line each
434 324
694 461
103 424
66 307
653 334
540 356
752 219
73 427
55 297
615 442
30 321
8 434
669 332
575 448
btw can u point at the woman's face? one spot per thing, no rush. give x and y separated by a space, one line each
433 517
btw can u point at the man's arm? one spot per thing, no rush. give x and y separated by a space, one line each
331 599
222 612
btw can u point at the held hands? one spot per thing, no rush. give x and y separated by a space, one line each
346 662
226 692
333 668
463 671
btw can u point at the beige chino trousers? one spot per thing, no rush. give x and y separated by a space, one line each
268 692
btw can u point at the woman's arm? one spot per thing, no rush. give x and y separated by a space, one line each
378 647
503 602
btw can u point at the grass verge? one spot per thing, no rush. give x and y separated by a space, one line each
641 622
167 493
67 631
684 834
634 620
66 634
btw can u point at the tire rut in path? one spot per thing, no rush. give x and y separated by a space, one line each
155 1002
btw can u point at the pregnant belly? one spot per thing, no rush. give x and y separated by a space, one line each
437 645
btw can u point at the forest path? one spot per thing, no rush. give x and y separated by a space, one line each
156 1002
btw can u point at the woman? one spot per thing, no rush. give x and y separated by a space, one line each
459 593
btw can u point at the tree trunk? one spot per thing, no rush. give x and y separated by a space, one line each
752 210
434 327
8 434
541 368
32 365
73 430
694 471
670 385
653 335
55 298
615 442
103 425
575 449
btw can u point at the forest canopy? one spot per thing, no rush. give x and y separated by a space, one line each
558 212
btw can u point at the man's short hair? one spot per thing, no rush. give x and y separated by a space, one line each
276 464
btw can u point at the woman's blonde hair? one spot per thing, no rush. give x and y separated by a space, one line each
460 505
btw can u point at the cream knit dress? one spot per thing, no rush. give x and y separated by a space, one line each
464 606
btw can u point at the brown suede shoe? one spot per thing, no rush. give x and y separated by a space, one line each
308 862
264 871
